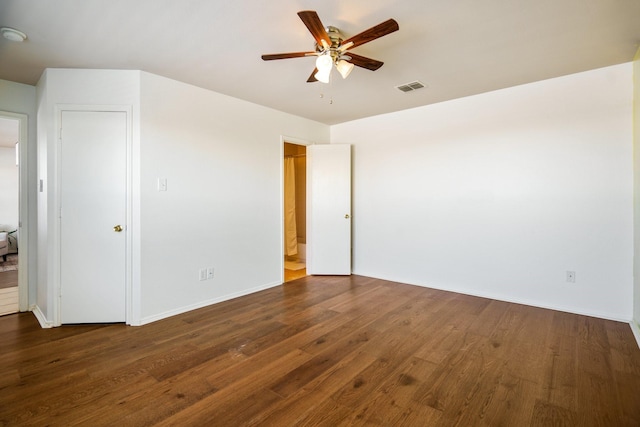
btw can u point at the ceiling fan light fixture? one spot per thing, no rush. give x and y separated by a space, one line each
324 62
331 49
323 75
344 68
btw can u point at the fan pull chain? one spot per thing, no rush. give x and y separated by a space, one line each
330 98
330 93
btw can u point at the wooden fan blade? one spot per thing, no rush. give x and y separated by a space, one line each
315 27
382 29
273 56
364 62
312 77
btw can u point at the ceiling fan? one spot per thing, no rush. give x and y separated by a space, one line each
331 48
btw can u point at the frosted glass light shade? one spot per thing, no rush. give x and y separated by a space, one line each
344 68
324 63
323 75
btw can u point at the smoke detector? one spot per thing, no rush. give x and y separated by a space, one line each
13 34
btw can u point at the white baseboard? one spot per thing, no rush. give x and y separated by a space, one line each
635 328
506 298
42 319
201 304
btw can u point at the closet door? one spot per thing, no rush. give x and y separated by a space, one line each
92 218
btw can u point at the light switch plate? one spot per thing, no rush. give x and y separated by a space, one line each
162 184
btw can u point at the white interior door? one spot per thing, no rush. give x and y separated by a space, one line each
93 205
329 209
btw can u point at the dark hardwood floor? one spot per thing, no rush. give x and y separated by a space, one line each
334 351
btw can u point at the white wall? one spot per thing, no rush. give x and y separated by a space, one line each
58 87
43 298
20 98
222 158
496 195
500 194
636 168
8 189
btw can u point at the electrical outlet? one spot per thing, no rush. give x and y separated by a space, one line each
210 273
571 276
203 274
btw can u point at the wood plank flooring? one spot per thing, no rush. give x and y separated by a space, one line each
8 292
9 302
8 279
290 275
326 351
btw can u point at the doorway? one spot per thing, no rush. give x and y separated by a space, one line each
10 136
295 211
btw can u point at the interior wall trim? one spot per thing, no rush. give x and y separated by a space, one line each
635 328
501 297
201 304
42 319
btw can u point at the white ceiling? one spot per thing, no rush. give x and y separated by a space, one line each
457 48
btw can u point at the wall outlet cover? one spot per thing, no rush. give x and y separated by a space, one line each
571 276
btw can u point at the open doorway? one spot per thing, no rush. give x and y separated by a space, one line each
295 211
9 213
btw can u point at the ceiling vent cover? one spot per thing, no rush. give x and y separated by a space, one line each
409 87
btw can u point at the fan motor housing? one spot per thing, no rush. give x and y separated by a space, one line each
336 39
335 36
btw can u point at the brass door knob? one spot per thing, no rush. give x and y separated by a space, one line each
117 228
347 216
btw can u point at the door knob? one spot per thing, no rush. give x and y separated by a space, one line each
346 216
117 228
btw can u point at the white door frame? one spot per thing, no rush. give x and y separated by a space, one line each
56 234
23 208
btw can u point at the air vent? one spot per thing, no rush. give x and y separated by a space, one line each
409 87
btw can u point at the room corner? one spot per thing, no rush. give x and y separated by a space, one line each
635 323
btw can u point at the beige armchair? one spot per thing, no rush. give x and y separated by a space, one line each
4 245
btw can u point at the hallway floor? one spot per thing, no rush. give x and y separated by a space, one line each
290 275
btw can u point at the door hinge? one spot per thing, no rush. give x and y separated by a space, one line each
60 136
